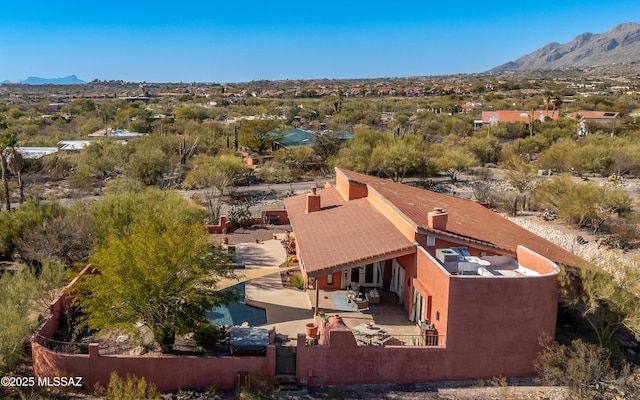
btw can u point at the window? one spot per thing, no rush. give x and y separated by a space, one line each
431 241
368 273
330 279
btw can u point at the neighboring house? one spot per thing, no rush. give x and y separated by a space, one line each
295 137
123 134
512 116
470 107
253 160
33 153
487 286
303 137
602 119
72 145
492 118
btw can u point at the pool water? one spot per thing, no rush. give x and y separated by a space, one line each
236 313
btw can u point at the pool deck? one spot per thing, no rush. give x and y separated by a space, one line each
287 310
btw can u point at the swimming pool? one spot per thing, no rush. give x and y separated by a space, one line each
236 313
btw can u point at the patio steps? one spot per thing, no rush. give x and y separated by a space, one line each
287 386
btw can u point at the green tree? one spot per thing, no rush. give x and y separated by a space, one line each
29 215
215 174
522 176
356 154
16 295
327 144
586 204
399 157
484 147
452 161
297 157
156 268
149 160
22 296
258 135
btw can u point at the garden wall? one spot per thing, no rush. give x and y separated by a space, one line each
274 217
167 372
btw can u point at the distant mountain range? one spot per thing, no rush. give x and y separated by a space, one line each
620 45
34 80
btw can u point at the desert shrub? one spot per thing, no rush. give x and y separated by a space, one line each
129 388
259 385
586 370
297 281
239 215
207 336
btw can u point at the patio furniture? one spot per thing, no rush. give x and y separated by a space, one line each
370 334
361 303
352 292
362 339
373 297
369 330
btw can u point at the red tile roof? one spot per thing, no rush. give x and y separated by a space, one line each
343 234
467 220
516 115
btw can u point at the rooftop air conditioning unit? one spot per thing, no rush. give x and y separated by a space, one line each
449 259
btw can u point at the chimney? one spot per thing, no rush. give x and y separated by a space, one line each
313 201
437 219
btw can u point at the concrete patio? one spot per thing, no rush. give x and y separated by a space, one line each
289 309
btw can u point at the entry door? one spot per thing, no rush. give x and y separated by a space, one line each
397 281
369 275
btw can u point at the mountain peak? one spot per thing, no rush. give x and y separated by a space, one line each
620 45
67 80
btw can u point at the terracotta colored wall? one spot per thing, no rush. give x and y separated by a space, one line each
402 225
409 264
167 372
494 324
350 190
225 224
283 214
535 261
432 280
345 363
322 281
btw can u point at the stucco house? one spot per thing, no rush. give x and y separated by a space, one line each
486 285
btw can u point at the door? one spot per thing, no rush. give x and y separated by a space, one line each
369 275
397 281
285 360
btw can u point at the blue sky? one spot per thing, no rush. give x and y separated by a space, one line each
237 41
